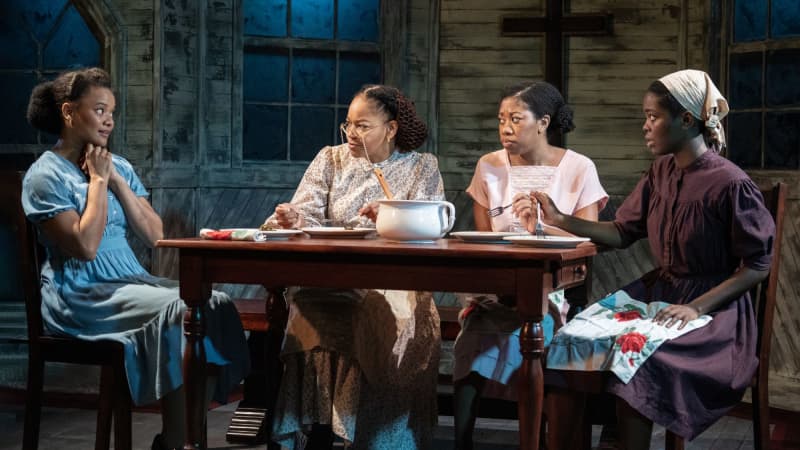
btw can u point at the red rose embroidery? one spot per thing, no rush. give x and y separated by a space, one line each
630 361
220 235
632 342
624 316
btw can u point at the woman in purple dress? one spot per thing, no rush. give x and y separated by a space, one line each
712 238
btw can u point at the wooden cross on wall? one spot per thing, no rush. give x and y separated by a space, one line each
555 25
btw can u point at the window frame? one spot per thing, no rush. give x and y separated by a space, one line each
112 37
725 35
392 16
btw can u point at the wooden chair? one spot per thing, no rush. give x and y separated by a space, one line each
764 296
114 399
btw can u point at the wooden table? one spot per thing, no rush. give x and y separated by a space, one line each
446 265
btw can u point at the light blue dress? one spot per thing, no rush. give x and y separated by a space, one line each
113 297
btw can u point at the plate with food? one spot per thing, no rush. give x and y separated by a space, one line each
338 232
486 237
547 241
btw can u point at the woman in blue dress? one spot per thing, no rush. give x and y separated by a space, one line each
82 199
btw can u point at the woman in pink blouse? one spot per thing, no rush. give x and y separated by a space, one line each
487 351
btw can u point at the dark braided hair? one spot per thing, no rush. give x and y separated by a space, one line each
542 98
44 106
668 101
411 130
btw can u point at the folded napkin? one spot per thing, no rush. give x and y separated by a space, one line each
617 333
239 234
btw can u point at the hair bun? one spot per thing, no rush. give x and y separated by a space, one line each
43 113
564 119
412 131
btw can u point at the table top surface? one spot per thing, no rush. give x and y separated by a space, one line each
380 246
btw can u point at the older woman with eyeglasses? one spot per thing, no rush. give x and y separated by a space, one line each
361 364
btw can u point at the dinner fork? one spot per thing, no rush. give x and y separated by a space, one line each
494 212
539 229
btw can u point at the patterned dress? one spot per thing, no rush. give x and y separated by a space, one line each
113 297
363 361
703 222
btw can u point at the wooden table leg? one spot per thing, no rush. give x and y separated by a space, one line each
195 293
533 285
531 385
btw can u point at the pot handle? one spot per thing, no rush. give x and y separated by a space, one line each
451 217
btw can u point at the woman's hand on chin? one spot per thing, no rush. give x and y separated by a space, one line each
97 162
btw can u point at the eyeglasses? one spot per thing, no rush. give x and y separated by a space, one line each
360 129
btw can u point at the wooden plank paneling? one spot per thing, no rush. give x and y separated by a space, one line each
180 80
216 118
785 352
177 208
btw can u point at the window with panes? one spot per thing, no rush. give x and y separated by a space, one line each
40 39
303 61
763 72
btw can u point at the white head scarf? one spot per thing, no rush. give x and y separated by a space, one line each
695 91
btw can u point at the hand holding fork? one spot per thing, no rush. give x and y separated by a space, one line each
538 229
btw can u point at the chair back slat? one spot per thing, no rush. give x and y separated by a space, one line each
25 236
764 294
29 252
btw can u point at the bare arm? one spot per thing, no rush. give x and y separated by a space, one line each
582 223
77 235
590 212
605 233
717 297
481 216
142 218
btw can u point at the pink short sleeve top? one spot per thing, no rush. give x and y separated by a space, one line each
573 186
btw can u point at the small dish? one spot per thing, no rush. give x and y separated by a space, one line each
486 237
337 232
547 241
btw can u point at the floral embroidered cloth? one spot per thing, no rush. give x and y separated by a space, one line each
239 234
617 333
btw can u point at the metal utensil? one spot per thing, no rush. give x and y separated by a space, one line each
539 229
494 212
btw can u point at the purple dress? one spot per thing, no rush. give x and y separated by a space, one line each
702 222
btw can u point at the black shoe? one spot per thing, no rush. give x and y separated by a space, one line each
320 438
158 443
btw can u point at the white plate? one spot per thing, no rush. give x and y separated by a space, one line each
486 237
337 232
547 241
255 234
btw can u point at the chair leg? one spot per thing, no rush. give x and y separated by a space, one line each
122 411
105 409
672 441
33 404
760 398
566 424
